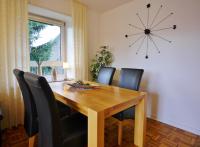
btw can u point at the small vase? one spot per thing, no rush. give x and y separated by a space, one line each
54 75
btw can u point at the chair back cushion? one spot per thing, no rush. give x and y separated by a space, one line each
30 113
1 117
48 117
105 75
130 78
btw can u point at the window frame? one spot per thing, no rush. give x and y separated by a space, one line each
62 25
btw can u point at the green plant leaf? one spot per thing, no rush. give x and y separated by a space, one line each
102 58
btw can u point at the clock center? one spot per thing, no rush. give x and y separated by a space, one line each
147 31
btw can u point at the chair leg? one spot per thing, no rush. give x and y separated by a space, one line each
120 125
31 141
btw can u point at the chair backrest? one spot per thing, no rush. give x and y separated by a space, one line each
105 75
1 117
1 114
48 117
30 113
130 78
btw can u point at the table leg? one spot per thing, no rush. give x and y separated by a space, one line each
140 123
95 129
32 141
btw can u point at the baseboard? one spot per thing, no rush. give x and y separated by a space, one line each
176 124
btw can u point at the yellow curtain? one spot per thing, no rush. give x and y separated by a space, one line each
14 53
79 16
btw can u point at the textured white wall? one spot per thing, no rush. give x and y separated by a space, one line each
171 78
93 32
60 6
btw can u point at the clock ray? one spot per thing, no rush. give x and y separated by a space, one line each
136 41
156 15
158 50
141 44
158 36
140 20
162 20
133 34
147 50
173 27
136 27
148 9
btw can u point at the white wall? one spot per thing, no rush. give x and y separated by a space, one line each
93 32
171 78
60 6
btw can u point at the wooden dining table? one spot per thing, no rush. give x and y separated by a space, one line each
102 102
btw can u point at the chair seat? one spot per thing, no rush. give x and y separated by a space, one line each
74 130
126 114
32 127
64 111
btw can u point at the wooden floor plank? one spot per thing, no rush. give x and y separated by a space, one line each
158 135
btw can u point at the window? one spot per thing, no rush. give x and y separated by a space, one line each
47 48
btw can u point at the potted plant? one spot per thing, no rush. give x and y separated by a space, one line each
102 58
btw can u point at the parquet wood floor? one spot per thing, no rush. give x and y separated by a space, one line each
158 135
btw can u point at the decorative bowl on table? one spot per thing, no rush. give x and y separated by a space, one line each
81 85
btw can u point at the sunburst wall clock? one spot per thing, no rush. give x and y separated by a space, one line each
149 30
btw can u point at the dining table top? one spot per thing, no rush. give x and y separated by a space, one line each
100 98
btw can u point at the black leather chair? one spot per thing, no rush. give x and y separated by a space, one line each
105 75
130 79
30 113
1 118
54 132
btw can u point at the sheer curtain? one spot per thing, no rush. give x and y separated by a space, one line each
14 53
79 16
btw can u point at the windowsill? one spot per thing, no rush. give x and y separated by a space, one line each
60 78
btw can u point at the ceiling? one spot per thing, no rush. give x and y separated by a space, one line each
103 5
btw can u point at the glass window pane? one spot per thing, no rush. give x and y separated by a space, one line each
46 70
45 45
